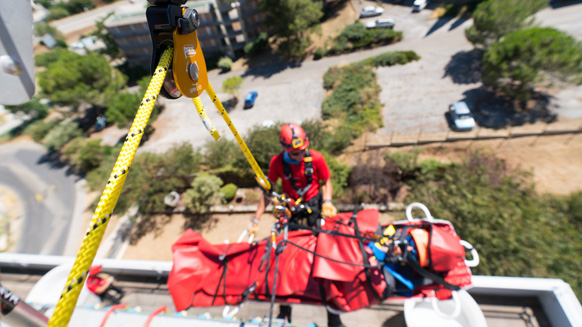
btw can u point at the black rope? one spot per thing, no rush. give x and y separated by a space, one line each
274 284
330 232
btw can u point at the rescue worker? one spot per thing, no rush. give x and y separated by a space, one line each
103 285
304 175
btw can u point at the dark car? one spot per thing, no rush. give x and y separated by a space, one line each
250 99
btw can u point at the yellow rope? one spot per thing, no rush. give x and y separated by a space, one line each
205 120
261 179
69 296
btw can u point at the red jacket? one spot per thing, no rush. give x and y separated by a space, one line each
321 173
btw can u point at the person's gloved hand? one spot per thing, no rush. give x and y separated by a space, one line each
253 225
328 209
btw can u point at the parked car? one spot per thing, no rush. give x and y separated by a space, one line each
250 99
419 5
461 117
370 11
381 23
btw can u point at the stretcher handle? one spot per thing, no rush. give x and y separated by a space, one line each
468 247
455 312
421 207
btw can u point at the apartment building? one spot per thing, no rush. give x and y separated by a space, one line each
225 27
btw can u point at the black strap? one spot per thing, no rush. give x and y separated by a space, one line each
364 254
308 174
222 278
427 274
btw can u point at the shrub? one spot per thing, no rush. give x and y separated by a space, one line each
228 192
61 134
356 36
220 153
225 64
340 174
392 58
252 48
122 109
232 84
205 192
89 156
34 108
263 143
319 53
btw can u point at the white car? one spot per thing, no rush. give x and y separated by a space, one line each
461 116
370 11
419 5
381 23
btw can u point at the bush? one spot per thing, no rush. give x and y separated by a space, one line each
205 192
84 155
220 153
61 134
516 231
319 53
47 58
34 108
225 64
340 174
392 58
252 48
122 109
228 192
263 143
356 36
232 84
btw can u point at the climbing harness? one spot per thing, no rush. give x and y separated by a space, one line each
174 73
308 171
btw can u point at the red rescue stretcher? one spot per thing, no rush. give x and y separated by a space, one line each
337 268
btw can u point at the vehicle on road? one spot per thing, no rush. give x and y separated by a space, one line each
371 11
250 99
381 23
419 5
461 117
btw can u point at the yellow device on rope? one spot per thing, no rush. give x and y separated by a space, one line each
70 295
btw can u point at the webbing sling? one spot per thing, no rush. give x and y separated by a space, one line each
308 171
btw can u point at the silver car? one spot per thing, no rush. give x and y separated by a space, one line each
370 11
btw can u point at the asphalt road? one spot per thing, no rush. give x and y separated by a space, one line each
48 197
415 96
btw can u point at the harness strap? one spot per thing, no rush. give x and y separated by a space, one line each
364 255
425 273
308 174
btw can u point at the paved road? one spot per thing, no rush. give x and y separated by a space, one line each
48 197
415 96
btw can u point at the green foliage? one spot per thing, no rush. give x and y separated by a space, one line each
121 110
42 28
111 48
39 129
33 108
319 53
228 192
61 134
516 231
514 64
495 18
47 58
84 155
77 6
318 136
340 174
151 178
232 84
221 153
263 143
57 12
225 64
74 78
291 21
356 36
205 192
253 48
392 58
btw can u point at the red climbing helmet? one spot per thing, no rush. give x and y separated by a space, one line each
293 138
95 270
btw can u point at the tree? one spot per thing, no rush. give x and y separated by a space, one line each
495 18
513 65
111 48
225 64
61 135
263 143
220 153
292 20
83 154
205 192
516 231
74 78
33 108
232 84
